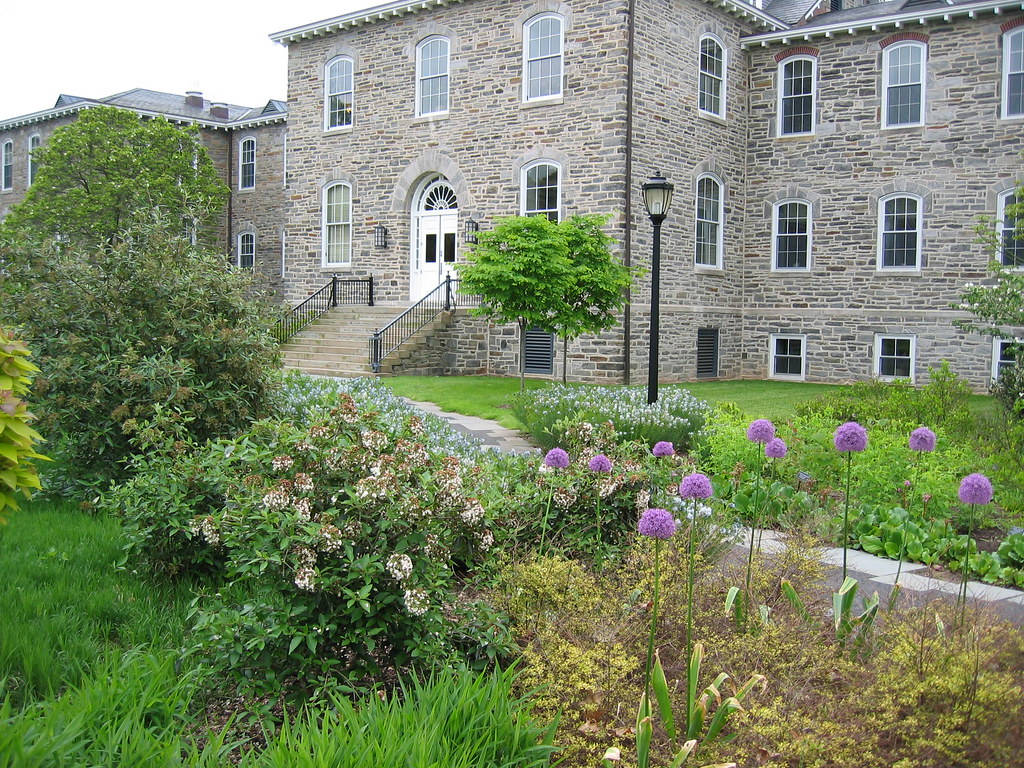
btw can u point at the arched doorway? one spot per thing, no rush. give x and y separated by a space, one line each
435 226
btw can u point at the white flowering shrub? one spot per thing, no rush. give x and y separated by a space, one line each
351 532
677 417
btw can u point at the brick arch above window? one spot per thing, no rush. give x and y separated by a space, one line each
338 50
1006 26
337 176
539 153
536 9
793 192
900 37
800 50
711 167
901 187
995 189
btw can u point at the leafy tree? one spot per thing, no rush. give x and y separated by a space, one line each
600 281
95 175
522 271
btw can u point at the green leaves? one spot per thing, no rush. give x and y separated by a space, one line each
17 439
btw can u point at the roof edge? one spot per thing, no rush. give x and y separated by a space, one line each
78 106
874 23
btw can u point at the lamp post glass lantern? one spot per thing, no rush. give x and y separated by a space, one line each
657 195
472 227
380 236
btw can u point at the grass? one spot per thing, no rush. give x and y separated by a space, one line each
65 604
490 397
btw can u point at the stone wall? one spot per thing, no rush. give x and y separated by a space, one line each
20 138
958 163
479 145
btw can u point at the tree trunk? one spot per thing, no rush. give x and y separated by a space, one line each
522 356
565 358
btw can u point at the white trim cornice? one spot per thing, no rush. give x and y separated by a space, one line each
797 35
70 109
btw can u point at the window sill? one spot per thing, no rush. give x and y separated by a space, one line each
899 271
246 189
785 377
707 268
433 117
546 101
335 267
807 135
711 117
903 127
1012 118
339 130
783 271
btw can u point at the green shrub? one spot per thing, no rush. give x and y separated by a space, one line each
155 322
17 438
548 413
349 539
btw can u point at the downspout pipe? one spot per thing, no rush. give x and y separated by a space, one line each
627 238
231 191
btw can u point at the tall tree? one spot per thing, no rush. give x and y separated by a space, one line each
96 174
522 272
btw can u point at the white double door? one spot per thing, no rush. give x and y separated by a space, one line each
435 252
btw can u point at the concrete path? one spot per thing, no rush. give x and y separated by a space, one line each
917 582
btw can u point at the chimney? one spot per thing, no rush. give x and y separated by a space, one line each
194 99
219 110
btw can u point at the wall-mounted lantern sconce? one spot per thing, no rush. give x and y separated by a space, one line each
380 236
472 227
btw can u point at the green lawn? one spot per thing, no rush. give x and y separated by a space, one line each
489 397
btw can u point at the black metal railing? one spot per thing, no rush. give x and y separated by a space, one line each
445 298
337 291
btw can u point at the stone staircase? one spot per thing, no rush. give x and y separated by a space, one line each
338 343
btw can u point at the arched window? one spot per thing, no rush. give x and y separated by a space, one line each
339 93
247 164
7 172
711 85
543 49
246 250
903 75
1013 73
33 165
796 95
709 239
541 190
432 76
336 233
1011 247
791 235
899 232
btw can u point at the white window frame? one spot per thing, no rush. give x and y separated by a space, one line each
720 239
7 165
722 80
420 77
781 89
1017 32
242 163
527 28
776 208
772 372
240 248
31 169
879 338
1001 227
923 82
523 190
997 344
919 231
324 224
328 93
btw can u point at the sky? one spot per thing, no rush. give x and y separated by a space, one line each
95 49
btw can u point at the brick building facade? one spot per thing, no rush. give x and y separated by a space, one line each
829 165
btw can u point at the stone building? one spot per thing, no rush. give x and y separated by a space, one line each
246 145
830 164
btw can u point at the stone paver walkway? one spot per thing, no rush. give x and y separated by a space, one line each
917 581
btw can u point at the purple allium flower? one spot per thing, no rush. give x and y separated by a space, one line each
657 523
975 489
850 436
922 439
695 486
600 463
557 458
663 448
760 431
775 448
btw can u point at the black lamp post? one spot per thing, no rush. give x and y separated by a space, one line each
657 194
